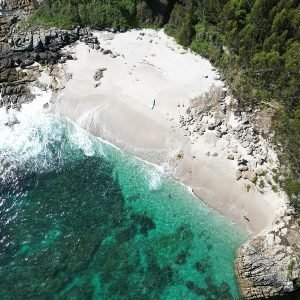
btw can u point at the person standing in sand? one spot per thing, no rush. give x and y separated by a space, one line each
153 104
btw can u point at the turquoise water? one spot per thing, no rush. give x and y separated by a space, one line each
82 220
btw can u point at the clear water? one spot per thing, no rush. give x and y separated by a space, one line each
82 220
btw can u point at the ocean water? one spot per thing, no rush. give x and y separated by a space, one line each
80 219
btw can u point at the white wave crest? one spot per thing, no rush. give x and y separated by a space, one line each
154 178
40 141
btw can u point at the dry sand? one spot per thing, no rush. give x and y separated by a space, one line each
152 66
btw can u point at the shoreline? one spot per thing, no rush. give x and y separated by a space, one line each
160 170
117 108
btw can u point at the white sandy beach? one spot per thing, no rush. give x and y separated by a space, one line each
147 67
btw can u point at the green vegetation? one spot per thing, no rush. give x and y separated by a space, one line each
101 14
95 13
256 44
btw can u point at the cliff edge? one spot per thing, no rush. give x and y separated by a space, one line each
268 264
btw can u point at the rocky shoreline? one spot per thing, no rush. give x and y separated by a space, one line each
218 114
268 264
23 54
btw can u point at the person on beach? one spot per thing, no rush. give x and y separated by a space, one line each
153 104
247 219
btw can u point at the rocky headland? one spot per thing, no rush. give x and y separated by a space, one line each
268 264
24 54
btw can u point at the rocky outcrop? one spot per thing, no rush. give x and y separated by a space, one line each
26 6
6 25
235 136
22 52
268 264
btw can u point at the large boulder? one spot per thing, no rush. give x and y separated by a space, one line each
250 175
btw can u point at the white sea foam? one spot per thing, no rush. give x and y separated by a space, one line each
38 141
154 177
82 140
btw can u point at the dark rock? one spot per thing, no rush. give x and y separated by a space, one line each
230 156
107 51
201 266
26 63
242 161
195 288
6 63
99 74
211 126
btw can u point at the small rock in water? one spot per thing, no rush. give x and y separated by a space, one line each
181 258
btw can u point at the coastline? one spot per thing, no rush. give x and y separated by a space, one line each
141 66
224 150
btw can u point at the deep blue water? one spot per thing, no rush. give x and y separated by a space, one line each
80 219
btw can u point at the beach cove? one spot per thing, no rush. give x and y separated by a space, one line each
137 67
118 92
132 167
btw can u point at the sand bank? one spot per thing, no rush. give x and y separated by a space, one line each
144 66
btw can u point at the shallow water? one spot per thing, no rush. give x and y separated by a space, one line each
80 219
